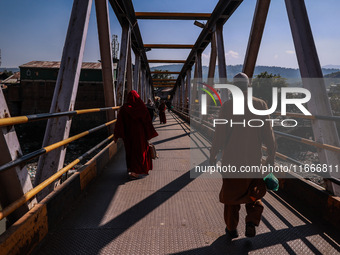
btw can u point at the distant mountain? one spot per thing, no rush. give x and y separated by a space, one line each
332 78
12 69
289 73
333 75
332 67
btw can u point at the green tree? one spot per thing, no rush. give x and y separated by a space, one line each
335 104
5 74
161 75
263 86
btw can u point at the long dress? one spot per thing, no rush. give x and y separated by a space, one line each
161 108
135 128
241 146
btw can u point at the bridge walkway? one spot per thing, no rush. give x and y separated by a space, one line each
168 212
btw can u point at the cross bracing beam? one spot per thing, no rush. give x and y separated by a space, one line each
165 72
165 84
223 10
169 46
162 83
174 80
172 15
255 37
165 61
125 14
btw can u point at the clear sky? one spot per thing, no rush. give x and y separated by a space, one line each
36 30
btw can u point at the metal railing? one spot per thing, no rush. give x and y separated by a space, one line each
195 114
21 160
43 116
30 194
51 147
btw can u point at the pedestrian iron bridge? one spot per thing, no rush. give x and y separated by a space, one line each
97 210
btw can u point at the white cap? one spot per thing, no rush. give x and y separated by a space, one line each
241 80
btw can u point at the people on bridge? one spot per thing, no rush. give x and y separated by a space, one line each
134 126
168 105
241 146
151 108
157 103
161 113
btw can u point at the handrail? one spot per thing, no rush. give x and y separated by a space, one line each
284 157
30 194
42 116
294 161
309 142
311 117
303 140
51 147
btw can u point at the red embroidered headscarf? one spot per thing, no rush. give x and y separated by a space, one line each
135 106
137 110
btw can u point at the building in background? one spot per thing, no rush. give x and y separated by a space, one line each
163 93
33 90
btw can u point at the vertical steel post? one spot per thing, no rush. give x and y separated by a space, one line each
139 89
183 94
146 89
255 37
199 80
136 72
194 104
324 131
129 73
188 90
222 67
147 80
212 60
104 36
121 76
180 95
194 87
65 92
15 182
142 84
212 65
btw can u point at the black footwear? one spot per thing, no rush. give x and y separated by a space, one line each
231 234
250 229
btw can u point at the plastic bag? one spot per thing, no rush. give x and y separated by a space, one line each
272 183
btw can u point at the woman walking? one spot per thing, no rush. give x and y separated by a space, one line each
135 128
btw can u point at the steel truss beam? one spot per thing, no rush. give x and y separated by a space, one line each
166 61
165 72
172 15
125 13
174 80
169 46
222 12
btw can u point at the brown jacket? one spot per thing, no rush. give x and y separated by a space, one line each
241 146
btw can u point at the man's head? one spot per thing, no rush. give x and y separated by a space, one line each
241 80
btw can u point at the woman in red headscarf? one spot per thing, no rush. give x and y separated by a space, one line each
134 126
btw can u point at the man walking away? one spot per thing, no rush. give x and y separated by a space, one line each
241 146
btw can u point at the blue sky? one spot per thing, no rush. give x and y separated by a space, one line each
36 30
